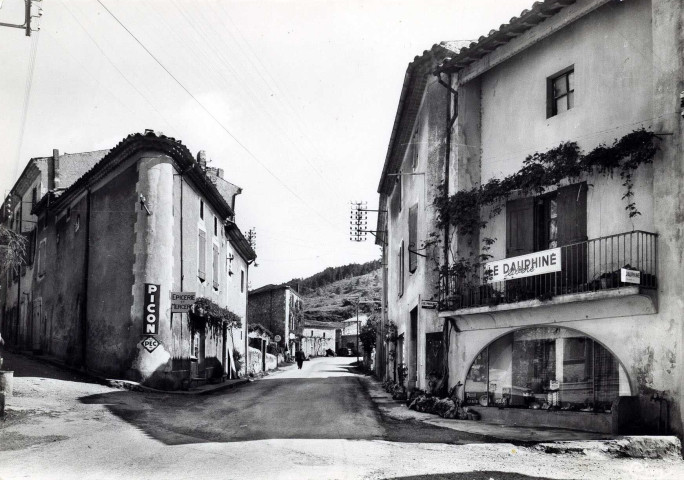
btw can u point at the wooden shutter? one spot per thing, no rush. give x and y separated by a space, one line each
572 229
215 266
519 227
572 214
413 238
202 260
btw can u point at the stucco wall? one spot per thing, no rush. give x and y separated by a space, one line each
314 344
611 53
615 51
419 189
269 309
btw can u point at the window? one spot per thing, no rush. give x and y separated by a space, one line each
561 92
242 281
201 209
215 267
215 226
547 221
312 333
400 270
415 149
41 257
323 334
413 238
202 255
34 197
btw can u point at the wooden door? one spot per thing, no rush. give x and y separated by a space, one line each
519 227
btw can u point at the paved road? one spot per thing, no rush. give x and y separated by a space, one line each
318 423
326 399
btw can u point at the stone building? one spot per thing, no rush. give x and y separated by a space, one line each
146 219
557 283
279 309
351 328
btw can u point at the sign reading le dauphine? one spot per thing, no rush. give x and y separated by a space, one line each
537 263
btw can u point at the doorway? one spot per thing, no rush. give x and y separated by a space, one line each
413 350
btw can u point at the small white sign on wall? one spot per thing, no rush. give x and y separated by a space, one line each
630 276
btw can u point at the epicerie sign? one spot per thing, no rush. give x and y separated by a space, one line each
537 263
151 312
181 301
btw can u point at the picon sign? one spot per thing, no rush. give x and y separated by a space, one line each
151 310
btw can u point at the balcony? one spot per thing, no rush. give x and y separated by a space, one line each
592 266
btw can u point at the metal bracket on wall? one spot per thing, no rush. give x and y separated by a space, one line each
143 204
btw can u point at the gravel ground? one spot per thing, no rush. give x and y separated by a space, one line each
55 431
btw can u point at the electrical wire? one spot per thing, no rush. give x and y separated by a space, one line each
213 117
27 97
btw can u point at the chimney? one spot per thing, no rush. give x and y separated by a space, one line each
202 159
53 170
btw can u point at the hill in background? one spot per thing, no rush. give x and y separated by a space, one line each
330 295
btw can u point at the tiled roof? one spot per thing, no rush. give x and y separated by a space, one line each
415 80
516 26
127 147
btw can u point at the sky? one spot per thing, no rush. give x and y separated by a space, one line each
294 99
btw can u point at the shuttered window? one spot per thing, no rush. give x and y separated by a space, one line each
202 255
215 267
413 238
400 270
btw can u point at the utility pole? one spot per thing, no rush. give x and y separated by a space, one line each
358 221
26 26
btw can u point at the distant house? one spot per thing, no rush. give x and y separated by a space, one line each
278 308
350 330
317 337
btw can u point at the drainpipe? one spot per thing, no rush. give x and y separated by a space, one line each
86 268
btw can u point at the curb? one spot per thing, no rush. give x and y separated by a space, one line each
642 446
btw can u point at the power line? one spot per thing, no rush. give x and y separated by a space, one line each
218 122
113 64
27 97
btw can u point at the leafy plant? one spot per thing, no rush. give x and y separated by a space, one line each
12 249
207 315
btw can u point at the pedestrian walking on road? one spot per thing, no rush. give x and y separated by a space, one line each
299 357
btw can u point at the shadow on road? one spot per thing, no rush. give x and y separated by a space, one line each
484 475
29 367
310 408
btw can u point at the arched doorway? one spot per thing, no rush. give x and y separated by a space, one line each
546 368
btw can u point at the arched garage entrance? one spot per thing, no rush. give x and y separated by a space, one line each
546 368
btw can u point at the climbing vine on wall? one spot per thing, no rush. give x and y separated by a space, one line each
542 170
206 314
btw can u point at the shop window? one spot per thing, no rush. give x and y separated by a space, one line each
561 92
546 368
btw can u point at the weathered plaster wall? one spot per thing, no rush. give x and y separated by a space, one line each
420 189
111 335
628 65
314 343
611 50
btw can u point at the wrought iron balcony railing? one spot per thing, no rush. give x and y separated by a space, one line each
588 266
